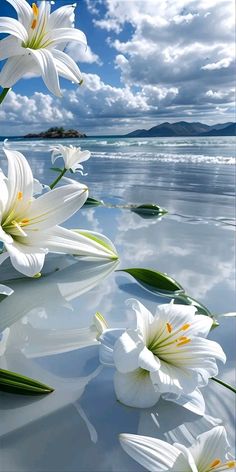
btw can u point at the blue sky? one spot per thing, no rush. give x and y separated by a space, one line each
147 62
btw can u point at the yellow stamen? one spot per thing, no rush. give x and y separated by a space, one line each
35 9
231 464
35 13
215 463
186 341
185 326
182 338
25 221
34 23
19 196
169 327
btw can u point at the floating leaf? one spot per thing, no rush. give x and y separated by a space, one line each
93 202
12 382
56 169
154 280
149 209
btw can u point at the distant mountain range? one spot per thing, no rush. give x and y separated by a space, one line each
183 128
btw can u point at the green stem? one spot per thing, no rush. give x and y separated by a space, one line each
58 178
3 94
224 384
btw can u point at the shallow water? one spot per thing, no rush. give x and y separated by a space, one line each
76 427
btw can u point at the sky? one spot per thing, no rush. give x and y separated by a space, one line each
147 61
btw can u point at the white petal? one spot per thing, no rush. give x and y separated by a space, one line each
14 69
188 456
10 46
14 27
209 446
45 61
143 318
170 378
20 180
66 66
200 326
4 237
55 206
60 35
108 339
63 240
153 454
135 389
25 259
126 351
23 10
148 361
105 241
4 193
193 401
63 17
175 314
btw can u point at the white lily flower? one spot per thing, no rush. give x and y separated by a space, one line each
72 156
35 44
28 226
163 354
208 453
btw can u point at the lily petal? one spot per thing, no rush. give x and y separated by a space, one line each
14 27
20 182
148 361
135 389
127 350
63 240
27 260
143 318
23 10
63 17
66 67
55 206
10 46
14 69
61 35
193 401
170 378
209 446
45 61
154 454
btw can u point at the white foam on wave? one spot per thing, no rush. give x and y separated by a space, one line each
171 158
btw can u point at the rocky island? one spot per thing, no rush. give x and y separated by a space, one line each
57 132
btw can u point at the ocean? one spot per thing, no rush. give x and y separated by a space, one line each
194 179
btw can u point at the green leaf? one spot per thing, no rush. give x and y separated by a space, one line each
93 202
12 382
154 280
149 209
186 300
56 169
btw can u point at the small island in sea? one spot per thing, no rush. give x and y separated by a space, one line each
57 132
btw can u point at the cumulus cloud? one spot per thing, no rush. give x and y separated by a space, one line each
185 46
99 108
80 54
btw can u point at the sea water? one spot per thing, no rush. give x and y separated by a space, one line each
76 428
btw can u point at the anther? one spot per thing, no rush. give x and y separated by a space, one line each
231 464
169 327
19 196
186 341
185 326
215 463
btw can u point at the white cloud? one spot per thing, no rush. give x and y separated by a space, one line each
223 63
173 45
80 54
